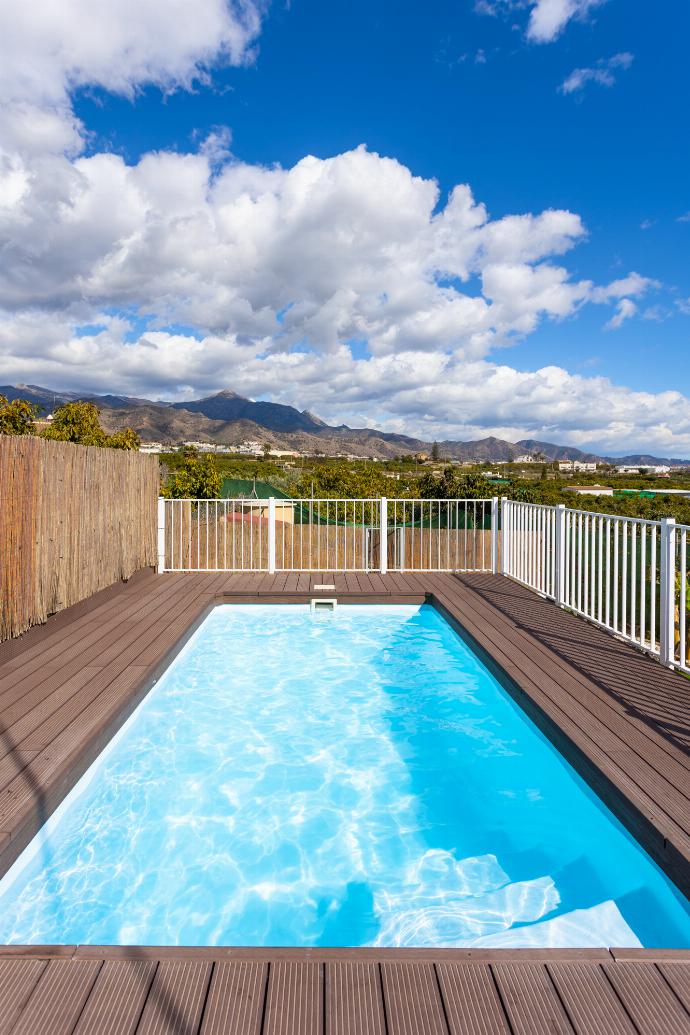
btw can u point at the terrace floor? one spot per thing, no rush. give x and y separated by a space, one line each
620 717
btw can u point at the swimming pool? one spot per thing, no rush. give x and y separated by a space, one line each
358 778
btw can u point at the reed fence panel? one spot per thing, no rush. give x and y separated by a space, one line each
73 520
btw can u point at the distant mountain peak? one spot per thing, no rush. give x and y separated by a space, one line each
229 406
225 393
227 417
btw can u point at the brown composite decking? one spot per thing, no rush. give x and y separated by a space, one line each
620 717
81 990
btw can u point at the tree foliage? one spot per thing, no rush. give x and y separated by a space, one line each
79 422
76 422
127 438
354 480
454 485
196 477
17 417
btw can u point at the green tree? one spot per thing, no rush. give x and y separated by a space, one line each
197 477
17 417
435 452
79 422
127 438
452 485
76 422
524 492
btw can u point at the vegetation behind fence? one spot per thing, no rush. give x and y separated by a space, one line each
73 520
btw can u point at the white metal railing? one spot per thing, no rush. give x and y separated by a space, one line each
529 545
442 535
679 590
328 535
628 575
610 576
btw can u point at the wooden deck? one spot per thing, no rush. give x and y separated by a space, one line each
101 991
620 717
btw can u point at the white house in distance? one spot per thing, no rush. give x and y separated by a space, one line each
577 465
643 469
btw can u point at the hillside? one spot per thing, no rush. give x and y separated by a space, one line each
230 419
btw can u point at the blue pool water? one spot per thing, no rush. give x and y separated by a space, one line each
357 779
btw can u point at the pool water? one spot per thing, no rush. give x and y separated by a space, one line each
358 778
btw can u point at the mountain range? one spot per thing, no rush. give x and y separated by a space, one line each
230 419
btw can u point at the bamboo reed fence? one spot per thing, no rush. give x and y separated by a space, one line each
73 520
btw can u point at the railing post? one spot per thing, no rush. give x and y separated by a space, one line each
494 535
559 556
271 535
161 534
383 537
668 591
505 535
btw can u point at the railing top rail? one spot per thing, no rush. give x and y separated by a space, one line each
614 517
532 506
441 499
278 499
591 513
328 499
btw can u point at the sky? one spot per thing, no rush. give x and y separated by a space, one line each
450 219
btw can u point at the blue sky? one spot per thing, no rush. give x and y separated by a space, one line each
589 118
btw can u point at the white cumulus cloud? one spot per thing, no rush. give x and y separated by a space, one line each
345 284
331 249
430 394
49 48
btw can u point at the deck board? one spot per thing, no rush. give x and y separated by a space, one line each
530 1000
236 998
177 997
18 979
678 977
58 998
648 998
622 718
117 999
354 999
295 999
471 999
589 999
413 999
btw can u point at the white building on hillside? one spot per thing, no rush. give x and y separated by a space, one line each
577 465
643 469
